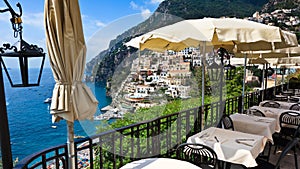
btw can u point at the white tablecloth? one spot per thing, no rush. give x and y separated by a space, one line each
274 113
227 149
283 105
263 126
159 163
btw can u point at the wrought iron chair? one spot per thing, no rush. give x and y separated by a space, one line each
226 122
289 121
293 100
198 154
256 112
271 104
290 128
262 164
295 107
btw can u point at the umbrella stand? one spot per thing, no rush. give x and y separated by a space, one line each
282 81
275 80
243 92
263 83
203 84
70 145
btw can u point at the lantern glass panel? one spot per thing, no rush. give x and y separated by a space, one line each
23 71
214 71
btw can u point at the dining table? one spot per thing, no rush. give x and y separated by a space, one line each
160 163
247 123
283 104
281 98
231 146
287 93
273 113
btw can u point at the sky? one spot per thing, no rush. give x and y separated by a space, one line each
102 20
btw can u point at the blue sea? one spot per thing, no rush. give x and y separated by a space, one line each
29 119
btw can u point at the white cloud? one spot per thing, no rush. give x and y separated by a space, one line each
34 19
99 41
5 17
100 24
156 1
145 13
134 5
91 25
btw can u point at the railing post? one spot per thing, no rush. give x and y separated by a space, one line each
240 104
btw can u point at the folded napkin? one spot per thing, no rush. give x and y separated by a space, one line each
247 141
269 112
219 140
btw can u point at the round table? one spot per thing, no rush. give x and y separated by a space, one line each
159 163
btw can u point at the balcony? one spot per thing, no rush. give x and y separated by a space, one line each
158 137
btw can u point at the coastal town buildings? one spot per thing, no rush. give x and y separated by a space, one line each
156 77
284 18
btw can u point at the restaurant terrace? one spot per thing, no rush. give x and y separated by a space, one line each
257 129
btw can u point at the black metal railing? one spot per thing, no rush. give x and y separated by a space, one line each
152 138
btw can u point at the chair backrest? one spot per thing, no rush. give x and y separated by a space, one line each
256 112
226 122
295 107
271 104
289 121
198 154
287 148
293 100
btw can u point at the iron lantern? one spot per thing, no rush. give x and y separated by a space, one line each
22 52
214 71
25 56
217 71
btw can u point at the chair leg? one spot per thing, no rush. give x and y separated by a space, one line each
269 152
275 149
295 156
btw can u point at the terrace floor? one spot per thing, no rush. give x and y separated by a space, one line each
288 161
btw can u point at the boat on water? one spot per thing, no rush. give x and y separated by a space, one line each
48 100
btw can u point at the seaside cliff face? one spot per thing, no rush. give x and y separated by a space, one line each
170 11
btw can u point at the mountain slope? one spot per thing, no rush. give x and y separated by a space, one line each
168 12
188 9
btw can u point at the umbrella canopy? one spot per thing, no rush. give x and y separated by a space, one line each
277 53
242 34
72 99
258 61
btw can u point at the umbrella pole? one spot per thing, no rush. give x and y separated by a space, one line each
243 92
203 84
282 80
275 80
70 145
288 81
263 83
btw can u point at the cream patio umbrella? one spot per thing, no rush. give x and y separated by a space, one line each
242 35
72 99
282 55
